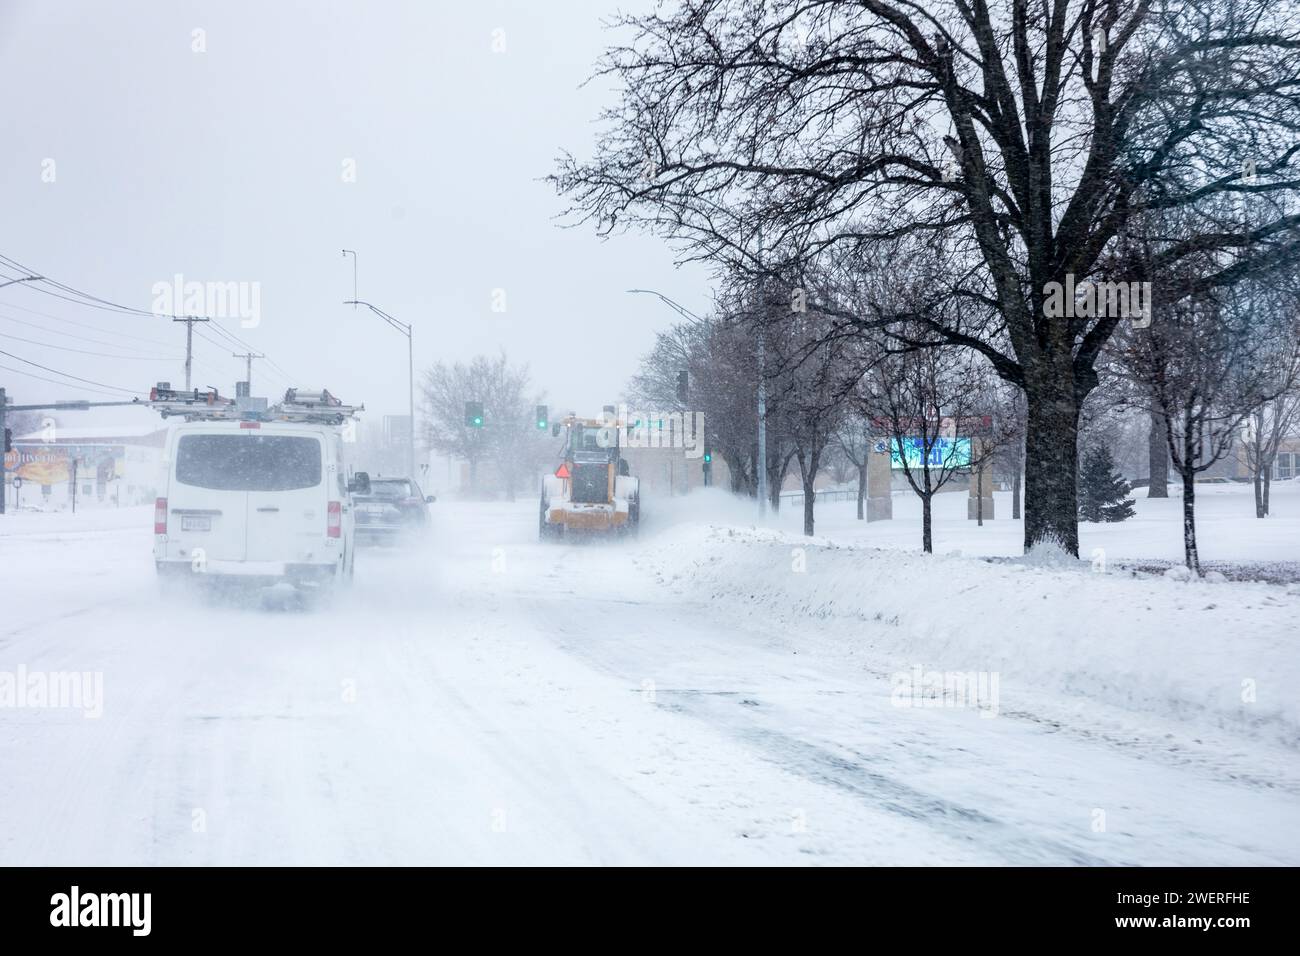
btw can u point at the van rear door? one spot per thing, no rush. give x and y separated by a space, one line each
288 501
207 501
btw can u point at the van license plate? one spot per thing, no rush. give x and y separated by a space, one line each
196 523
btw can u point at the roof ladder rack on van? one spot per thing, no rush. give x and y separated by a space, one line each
195 405
303 405
299 405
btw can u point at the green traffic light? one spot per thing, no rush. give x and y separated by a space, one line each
708 457
478 422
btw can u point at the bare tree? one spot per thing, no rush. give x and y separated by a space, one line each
1204 365
814 383
922 396
856 437
508 438
1267 425
719 360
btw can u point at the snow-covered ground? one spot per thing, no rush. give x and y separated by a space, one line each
1227 529
710 693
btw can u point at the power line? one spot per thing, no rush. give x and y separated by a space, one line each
68 348
93 301
82 325
54 381
213 342
88 381
87 338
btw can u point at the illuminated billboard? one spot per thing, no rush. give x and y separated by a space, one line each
944 453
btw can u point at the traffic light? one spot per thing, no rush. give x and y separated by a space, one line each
683 385
708 466
543 418
474 414
9 440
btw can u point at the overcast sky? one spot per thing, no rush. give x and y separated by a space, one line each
229 165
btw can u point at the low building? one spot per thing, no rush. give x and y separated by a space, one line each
113 465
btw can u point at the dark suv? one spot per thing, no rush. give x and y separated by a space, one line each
393 511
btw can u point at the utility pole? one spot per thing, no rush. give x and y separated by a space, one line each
248 373
189 321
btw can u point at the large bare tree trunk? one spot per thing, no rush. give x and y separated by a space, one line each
862 488
1157 459
1259 492
1051 467
1268 483
808 468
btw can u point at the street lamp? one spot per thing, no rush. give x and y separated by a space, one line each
23 279
410 377
762 393
346 253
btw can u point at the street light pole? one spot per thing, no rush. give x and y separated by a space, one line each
405 329
352 253
762 390
762 424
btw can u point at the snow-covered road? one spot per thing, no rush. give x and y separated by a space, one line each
492 700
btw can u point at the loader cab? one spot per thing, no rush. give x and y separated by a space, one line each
592 444
592 451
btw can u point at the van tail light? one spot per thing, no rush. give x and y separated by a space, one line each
160 516
334 519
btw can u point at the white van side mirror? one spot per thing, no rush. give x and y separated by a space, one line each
360 483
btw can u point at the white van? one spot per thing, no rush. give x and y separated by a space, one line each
259 502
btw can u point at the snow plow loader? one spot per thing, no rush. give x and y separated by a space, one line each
591 492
